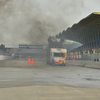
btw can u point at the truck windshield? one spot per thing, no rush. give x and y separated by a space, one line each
59 54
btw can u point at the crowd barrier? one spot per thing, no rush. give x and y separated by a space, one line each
84 63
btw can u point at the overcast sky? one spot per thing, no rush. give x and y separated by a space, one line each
32 21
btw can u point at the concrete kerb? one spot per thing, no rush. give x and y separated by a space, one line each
83 63
24 63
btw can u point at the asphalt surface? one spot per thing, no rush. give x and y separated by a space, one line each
24 74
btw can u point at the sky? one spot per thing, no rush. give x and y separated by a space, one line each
33 21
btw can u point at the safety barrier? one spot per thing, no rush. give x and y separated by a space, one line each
84 63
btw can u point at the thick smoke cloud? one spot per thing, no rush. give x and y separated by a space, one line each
32 21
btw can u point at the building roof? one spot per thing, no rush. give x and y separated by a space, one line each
74 32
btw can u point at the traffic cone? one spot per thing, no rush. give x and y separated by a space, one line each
32 62
28 60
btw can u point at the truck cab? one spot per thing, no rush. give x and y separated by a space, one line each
58 56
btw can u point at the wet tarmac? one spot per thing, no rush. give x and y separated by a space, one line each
42 74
